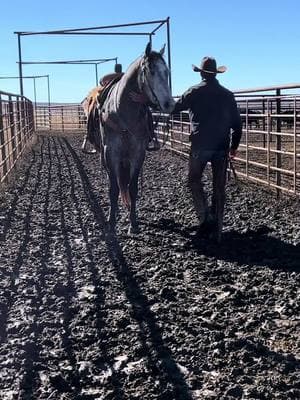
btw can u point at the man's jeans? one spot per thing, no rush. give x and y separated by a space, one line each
197 164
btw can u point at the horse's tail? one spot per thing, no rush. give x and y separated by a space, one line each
123 182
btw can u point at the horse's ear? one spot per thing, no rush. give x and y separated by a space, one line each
148 49
162 50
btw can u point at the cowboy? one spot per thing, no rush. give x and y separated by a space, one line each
216 133
114 76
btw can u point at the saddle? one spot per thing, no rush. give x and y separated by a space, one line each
102 95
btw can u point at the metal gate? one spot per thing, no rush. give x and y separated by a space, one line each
16 130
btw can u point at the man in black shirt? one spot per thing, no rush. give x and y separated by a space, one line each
216 133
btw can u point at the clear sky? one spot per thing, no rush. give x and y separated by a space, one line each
257 40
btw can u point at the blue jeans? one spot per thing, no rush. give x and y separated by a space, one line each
197 164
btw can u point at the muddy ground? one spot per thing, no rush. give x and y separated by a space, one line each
162 315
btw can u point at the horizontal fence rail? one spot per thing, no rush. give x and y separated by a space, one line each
16 130
269 152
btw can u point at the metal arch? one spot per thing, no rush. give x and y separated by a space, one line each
33 77
91 31
94 62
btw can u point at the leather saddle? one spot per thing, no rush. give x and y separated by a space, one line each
102 96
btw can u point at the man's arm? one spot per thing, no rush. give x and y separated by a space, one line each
184 102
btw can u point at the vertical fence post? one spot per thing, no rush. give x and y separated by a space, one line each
264 122
268 140
19 126
44 117
23 119
62 119
247 138
49 103
79 117
295 146
278 141
181 132
169 53
27 115
3 165
171 131
12 129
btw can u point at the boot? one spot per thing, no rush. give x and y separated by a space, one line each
153 145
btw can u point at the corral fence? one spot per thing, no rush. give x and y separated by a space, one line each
269 151
60 117
16 130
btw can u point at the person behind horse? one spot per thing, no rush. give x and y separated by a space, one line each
116 75
216 133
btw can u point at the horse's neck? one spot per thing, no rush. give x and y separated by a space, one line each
127 84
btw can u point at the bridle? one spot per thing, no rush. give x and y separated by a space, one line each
144 82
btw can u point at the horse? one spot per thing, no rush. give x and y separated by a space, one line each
124 128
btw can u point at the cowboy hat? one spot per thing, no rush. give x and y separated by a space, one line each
209 65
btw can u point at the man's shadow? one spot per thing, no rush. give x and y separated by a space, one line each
252 247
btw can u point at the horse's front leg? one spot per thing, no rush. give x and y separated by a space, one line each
133 191
113 196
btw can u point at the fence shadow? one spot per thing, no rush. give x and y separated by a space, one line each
159 357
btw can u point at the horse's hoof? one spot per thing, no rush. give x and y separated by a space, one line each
133 230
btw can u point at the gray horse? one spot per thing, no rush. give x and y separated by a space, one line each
124 128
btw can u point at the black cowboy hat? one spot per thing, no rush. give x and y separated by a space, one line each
209 65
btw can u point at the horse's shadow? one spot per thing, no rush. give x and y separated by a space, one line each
251 247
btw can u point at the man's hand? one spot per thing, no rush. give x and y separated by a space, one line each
138 97
232 154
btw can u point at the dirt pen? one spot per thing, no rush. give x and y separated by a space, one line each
164 314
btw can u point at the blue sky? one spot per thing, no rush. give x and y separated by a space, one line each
257 40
